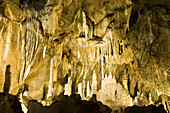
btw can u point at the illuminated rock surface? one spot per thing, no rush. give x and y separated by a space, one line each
116 49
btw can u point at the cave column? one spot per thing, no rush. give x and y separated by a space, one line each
50 85
94 83
80 89
88 89
84 89
125 79
67 88
98 55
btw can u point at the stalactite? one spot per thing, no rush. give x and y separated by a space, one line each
44 51
115 51
27 72
106 57
21 73
9 10
23 45
98 55
102 65
82 71
119 49
112 49
37 38
109 49
85 24
1 31
94 52
8 42
106 50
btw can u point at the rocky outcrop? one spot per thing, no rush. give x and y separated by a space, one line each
72 104
145 109
9 104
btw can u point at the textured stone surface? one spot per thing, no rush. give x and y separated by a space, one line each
46 40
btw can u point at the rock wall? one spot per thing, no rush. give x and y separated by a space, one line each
48 42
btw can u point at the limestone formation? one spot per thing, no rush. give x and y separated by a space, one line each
116 49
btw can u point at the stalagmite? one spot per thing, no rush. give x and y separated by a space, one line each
79 54
150 98
67 88
26 93
88 89
24 108
135 101
106 76
55 73
102 64
110 75
165 103
84 89
94 83
114 80
80 89
125 79
50 85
